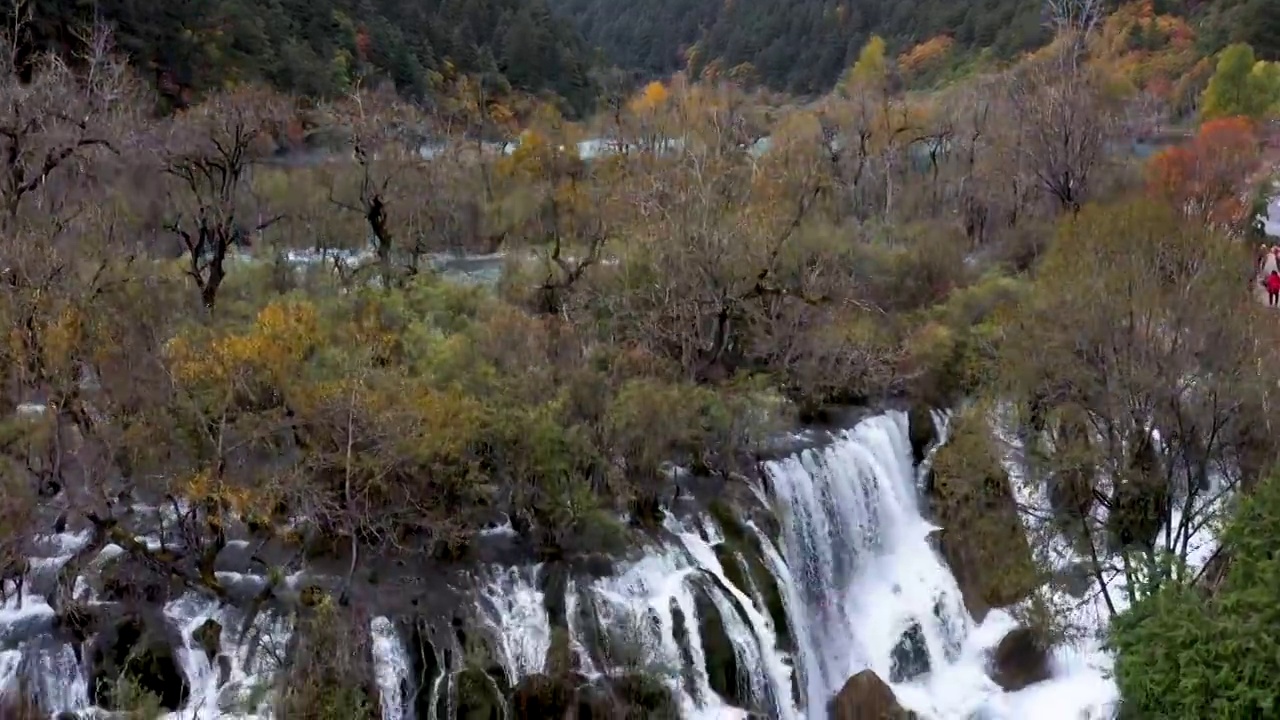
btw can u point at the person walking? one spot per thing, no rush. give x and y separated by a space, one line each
1273 289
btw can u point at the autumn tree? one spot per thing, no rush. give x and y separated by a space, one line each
410 197
726 268
1065 119
1133 462
926 57
559 204
207 154
1240 86
1208 177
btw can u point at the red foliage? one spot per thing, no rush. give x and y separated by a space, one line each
1208 176
363 44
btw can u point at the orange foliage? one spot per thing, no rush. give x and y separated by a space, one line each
1208 176
926 55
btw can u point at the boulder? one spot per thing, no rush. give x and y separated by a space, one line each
920 430
1019 660
983 540
137 650
208 637
866 697
910 657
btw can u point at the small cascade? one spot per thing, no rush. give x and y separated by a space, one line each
391 667
513 607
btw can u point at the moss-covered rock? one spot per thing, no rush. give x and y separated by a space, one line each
742 558
543 696
1021 659
135 655
478 696
867 697
639 696
983 539
330 673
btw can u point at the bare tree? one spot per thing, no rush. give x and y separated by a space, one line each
207 153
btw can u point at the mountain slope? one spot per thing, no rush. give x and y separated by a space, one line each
804 45
319 47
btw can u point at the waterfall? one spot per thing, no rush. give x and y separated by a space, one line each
735 614
858 552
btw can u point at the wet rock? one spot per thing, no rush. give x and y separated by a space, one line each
721 658
1021 659
224 670
428 648
983 540
543 696
921 431
634 696
680 632
208 637
742 558
867 697
478 696
138 651
910 657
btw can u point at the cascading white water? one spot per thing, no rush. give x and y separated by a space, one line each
853 567
858 552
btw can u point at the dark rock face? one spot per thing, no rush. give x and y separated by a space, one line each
1020 659
920 431
138 650
910 657
721 657
866 697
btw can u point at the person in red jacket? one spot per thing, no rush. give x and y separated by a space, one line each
1273 288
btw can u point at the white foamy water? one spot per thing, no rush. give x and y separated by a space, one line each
853 565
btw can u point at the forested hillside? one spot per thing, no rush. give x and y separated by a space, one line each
804 45
322 47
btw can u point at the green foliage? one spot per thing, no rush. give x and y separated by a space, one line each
801 47
1241 86
135 701
330 675
1188 651
321 48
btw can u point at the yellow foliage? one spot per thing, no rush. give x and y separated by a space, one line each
61 337
926 55
652 97
283 333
